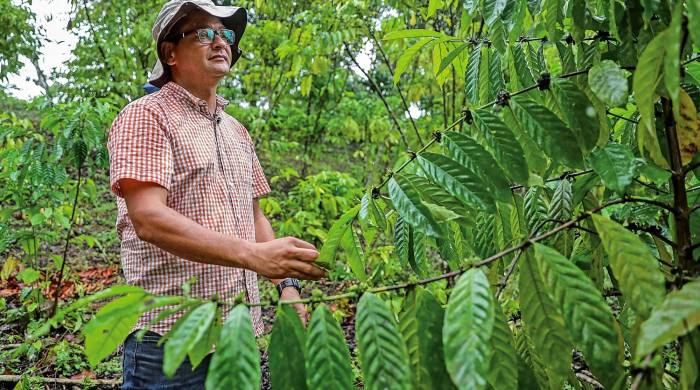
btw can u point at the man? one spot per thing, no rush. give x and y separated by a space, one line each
188 182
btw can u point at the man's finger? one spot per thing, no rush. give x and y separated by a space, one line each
302 254
308 271
302 244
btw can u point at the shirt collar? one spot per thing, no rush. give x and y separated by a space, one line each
180 92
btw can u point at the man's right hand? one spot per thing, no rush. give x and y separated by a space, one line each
286 257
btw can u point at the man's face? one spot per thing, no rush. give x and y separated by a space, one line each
191 59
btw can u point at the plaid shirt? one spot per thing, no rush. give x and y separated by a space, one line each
212 174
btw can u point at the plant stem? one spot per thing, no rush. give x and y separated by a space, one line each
65 248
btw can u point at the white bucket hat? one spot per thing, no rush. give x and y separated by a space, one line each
233 18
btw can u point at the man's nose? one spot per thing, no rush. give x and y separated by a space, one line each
218 41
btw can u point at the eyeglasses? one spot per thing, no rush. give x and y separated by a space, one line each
206 35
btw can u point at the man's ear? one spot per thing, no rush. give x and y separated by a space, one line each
167 48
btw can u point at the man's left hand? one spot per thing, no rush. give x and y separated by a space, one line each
291 294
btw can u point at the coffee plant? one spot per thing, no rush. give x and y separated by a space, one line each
560 206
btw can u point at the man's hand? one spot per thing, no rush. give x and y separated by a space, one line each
286 257
291 294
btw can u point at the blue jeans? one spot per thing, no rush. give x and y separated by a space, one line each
143 367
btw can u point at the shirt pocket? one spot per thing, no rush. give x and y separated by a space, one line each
239 161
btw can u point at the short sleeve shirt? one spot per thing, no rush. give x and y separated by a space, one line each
208 164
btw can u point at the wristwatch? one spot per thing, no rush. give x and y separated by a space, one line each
288 282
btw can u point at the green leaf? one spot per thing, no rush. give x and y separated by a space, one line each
383 354
522 70
458 180
678 314
579 112
327 355
609 83
447 61
548 131
326 257
578 17
504 358
544 323
467 330
370 213
495 75
469 153
536 160
492 10
111 325
561 206
203 348
637 271
691 361
412 33
506 148
406 198
236 362
286 351
416 251
588 318
420 320
552 17
471 87
355 254
408 56
615 164
693 8
672 60
194 326
401 240
647 76
483 239
434 6
431 193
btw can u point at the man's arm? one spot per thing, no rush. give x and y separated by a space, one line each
171 231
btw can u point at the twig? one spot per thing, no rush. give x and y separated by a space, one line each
511 268
63 381
523 245
376 89
65 248
559 178
637 381
391 73
621 117
651 187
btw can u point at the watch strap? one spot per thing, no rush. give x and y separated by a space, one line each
288 282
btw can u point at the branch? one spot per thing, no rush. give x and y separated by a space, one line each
621 117
391 73
63 381
379 93
567 175
654 232
651 187
502 285
653 202
523 245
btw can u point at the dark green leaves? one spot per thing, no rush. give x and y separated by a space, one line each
335 235
579 113
458 180
506 149
382 352
615 164
186 335
327 355
469 153
548 131
647 76
609 83
634 266
420 322
677 315
236 362
588 318
406 198
467 330
286 351
501 373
